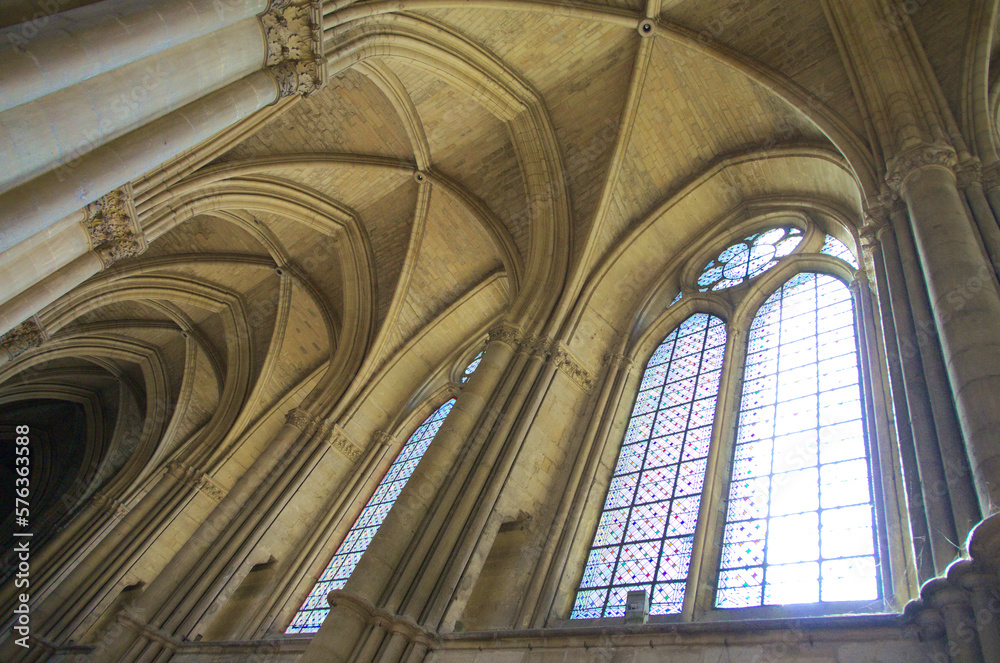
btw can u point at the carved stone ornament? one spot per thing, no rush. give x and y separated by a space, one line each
336 437
914 158
113 228
196 479
567 363
29 334
294 35
300 419
381 438
503 334
969 172
109 505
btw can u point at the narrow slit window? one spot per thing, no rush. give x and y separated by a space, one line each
646 530
315 609
800 525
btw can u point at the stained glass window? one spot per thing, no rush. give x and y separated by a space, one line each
800 525
312 613
471 368
750 257
646 529
834 247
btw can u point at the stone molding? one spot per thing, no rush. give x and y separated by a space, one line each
196 479
293 32
912 159
947 604
109 505
132 622
25 336
113 227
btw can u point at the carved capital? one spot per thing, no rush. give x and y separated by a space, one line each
300 419
912 159
339 440
991 175
303 78
294 35
194 478
534 345
381 438
113 227
503 334
615 360
567 363
109 505
29 334
969 172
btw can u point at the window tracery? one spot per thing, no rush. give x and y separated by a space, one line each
748 258
799 525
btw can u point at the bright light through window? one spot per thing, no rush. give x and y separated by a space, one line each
312 613
800 524
749 258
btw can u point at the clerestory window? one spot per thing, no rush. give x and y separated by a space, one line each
314 609
798 518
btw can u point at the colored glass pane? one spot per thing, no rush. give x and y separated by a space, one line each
748 258
314 609
645 533
800 522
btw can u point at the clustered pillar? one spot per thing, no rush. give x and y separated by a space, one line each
111 86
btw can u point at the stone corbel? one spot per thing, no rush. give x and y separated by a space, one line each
113 227
25 336
913 158
294 35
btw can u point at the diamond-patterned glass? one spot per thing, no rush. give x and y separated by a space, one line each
800 520
645 532
314 610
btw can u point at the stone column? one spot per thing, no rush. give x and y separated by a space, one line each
116 646
57 50
965 304
919 530
113 233
345 625
64 125
293 59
